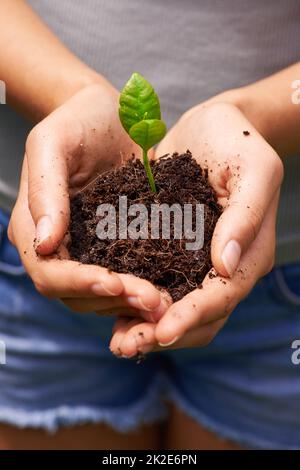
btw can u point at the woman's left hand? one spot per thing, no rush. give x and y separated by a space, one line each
246 173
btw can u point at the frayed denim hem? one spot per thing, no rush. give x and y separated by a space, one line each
239 437
147 410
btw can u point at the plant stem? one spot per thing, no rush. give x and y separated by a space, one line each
149 171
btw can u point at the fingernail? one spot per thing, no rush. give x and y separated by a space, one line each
160 310
100 289
44 229
231 256
146 315
164 345
137 302
112 284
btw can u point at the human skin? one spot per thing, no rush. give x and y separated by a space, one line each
263 108
62 155
247 174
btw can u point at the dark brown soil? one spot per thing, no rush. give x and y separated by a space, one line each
166 263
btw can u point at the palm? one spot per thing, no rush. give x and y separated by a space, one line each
91 135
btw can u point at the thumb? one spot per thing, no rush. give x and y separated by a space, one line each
239 225
48 197
234 232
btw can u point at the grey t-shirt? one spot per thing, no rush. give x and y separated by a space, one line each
190 50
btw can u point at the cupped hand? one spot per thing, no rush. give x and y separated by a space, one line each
64 152
246 173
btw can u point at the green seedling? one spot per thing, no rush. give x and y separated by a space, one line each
140 116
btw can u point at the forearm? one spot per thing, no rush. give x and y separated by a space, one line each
271 106
40 73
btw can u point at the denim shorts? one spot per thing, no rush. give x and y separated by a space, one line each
59 371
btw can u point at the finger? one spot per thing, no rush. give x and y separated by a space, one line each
141 294
99 304
123 326
47 150
52 276
251 191
141 338
219 295
118 312
211 303
120 321
62 278
70 279
199 337
106 306
138 339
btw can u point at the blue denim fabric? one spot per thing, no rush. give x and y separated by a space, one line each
59 370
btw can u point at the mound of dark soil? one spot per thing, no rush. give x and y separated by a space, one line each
165 262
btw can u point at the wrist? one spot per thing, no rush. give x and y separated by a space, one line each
72 85
261 110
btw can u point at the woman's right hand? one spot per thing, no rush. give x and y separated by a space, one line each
64 152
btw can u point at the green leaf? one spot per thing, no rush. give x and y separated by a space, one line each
140 116
148 132
138 102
